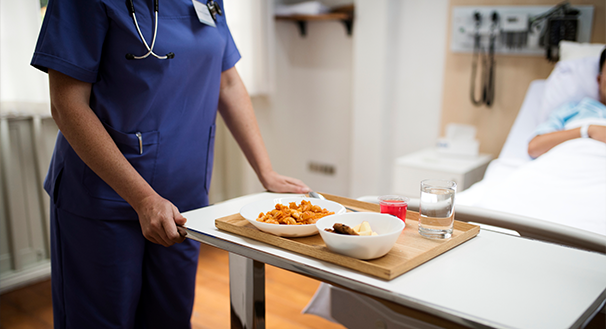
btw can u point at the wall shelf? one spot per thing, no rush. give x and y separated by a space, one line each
343 14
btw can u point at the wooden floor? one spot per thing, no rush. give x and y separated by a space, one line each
286 295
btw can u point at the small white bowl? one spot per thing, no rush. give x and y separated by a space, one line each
252 210
388 228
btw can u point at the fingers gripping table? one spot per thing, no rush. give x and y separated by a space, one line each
493 280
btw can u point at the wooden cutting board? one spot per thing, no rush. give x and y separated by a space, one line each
410 251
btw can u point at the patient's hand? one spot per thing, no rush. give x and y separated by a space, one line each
597 132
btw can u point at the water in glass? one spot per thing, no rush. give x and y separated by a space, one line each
436 212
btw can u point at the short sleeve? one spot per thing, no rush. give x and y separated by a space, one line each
71 38
231 55
557 119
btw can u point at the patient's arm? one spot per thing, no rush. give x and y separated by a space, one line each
597 132
543 143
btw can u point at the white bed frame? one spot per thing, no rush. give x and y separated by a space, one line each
524 226
515 148
529 227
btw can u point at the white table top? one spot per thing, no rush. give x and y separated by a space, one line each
494 279
430 158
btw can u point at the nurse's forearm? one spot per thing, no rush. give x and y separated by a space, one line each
237 112
87 136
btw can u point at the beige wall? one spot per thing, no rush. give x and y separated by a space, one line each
513 75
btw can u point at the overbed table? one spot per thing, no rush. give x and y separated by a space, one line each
493 280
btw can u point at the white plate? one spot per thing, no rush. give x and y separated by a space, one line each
251 213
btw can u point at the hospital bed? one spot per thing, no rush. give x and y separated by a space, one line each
559 197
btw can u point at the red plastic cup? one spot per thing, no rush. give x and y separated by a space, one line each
394 205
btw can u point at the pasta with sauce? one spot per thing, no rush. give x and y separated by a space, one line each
294 214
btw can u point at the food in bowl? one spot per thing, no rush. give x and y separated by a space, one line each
362 229
388 228
294 214
341 229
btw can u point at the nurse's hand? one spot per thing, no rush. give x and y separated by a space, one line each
159 219
275 182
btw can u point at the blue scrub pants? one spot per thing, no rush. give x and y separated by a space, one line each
105 274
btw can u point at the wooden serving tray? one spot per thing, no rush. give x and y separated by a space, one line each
410 251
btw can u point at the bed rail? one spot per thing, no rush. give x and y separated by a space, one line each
527 227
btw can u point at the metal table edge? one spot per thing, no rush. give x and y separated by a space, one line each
355 286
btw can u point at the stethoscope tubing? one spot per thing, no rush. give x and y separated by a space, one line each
150 49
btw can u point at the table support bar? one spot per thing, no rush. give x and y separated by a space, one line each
247 292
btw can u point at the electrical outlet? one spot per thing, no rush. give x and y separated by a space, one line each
321 168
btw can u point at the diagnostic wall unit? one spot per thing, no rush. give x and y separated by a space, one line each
515 34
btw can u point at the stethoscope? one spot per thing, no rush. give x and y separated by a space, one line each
488 70
213 7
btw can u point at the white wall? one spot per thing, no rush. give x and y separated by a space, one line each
353 102
19 82
307 118
399 53
304 116
251 24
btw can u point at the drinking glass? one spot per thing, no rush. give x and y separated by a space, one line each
394 205
436 209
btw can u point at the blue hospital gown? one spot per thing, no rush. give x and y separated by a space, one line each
565 116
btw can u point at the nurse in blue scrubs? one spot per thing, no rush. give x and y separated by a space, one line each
136 113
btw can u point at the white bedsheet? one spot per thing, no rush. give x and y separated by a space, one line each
566 185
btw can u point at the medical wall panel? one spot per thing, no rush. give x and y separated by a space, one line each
513 77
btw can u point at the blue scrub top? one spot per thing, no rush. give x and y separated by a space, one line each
171 103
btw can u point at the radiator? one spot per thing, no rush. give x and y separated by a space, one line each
26 145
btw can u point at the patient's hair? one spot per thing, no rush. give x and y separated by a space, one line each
602 59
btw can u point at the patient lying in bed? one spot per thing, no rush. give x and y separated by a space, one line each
566 182
585 119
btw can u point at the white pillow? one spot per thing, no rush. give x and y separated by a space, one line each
570 81
574 50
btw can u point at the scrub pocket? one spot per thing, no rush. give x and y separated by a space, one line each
210 152
55 187
141 151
